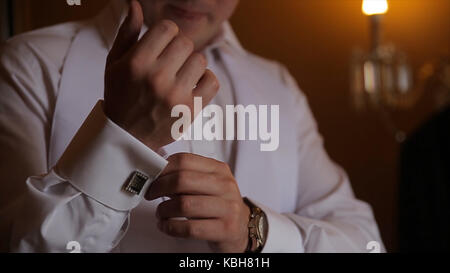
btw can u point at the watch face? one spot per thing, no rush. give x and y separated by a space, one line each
261 226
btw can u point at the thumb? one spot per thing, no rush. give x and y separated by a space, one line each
128 33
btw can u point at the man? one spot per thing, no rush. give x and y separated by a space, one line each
92 142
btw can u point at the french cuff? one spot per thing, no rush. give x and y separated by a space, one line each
283 235
108 164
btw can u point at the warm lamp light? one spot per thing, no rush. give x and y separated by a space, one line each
374 7
384 80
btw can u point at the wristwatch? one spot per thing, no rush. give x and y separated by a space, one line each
257 228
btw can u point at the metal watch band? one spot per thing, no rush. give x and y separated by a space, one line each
255 244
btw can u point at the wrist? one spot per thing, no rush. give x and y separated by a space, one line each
244 245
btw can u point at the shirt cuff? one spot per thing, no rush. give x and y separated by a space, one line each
101 159
283 234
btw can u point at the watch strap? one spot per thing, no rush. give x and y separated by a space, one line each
255 244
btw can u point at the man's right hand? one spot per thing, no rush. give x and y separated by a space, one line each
146 78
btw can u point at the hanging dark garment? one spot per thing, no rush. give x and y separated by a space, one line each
424 201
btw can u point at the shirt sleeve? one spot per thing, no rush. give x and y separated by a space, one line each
81 201
101 160
283 235
328 217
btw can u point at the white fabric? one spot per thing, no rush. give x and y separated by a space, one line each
50 81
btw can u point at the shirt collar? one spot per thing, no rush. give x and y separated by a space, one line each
115 13
226 39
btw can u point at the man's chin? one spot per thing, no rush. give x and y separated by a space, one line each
191 29
200 39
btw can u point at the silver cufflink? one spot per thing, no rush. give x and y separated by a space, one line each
136 183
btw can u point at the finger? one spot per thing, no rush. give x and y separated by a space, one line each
207 87
176 54
209 230
193 206
186 183
192 162
128 33
155 41
192 70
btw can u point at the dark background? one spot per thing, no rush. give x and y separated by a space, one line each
314 38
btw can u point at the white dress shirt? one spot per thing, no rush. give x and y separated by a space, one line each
64 164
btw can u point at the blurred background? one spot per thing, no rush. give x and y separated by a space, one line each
316 40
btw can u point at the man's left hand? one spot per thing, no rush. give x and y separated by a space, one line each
203 191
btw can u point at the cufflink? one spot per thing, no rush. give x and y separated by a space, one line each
136 183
